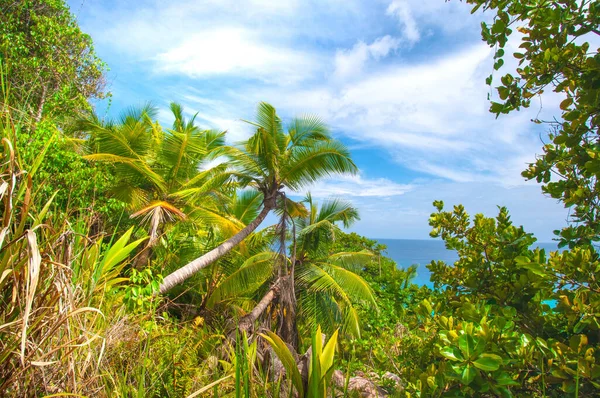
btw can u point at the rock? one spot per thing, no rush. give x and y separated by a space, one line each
394 378
366 388
338 379
373 376
275 364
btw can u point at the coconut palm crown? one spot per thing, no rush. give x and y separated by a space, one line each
159 172
271 160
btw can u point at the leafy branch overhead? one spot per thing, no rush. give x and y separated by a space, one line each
555 54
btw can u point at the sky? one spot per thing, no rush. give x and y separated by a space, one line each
400 82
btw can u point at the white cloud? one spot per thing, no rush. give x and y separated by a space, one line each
431 116
357 186
349 63
403 11
234 51
423 106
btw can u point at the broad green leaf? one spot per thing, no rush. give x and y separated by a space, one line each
287 359
488 362
328 354
468 374
466 345
116 254
451 353
504 379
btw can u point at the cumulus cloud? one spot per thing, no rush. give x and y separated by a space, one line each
350 63
404 78
357 186
403 11
234 51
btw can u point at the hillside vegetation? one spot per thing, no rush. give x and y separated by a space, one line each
136 260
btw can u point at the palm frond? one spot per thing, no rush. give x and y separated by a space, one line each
253 273
225 224
351 321
320 226
245 163
291 208
135 114
319 309
308 164
247 205
351 283
307 129
339 210
315 279
354 261
209 183
133 196
213 140
169 211
136 165
269 141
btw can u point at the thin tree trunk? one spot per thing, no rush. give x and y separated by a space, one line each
141 260
40 109
288 328
185 272
248 320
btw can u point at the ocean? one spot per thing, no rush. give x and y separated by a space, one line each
406 252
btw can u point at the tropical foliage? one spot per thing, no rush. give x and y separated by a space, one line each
52 68
298 308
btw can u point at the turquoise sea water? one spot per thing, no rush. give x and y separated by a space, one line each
412 251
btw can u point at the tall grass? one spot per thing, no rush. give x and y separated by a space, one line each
51 272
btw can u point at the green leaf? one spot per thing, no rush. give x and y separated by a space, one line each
287 359
328 354
451 353
520 260
535 268
466 345
504 379
564 105
468 374
488 362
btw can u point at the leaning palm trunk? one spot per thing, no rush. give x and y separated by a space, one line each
248 320
185 272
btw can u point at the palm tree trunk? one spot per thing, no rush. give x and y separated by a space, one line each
183 273
248 320
288 329
141 260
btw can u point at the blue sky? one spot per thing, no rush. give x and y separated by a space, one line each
400 82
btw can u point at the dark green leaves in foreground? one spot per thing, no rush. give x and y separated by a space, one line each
511 320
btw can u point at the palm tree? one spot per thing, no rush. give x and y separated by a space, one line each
326 284
410 274
331 278
271 160
158 171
